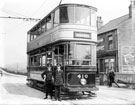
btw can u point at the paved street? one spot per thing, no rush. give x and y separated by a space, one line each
13 90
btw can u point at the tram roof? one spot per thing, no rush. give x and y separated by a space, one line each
69 4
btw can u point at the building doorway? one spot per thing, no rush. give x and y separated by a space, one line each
109 64
106 64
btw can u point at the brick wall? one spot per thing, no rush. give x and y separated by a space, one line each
126 46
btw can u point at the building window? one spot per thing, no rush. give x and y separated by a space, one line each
109 65
110 45
110 42
100 47
110 37
106 66
100 40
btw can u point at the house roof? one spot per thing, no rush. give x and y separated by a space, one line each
113 24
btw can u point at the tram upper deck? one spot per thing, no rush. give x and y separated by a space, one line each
65 22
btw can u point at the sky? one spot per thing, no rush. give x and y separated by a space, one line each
13 33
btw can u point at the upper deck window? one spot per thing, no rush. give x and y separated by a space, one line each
66 14
77 15
82 15
48 22
56 17
72 14
93 17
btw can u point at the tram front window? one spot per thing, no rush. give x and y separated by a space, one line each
77 15
82 15
66 14
80 54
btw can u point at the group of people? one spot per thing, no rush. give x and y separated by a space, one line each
53 81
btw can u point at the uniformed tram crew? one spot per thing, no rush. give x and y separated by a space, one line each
48 76
58 82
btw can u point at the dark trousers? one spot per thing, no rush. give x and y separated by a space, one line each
48 90
57 93
112 81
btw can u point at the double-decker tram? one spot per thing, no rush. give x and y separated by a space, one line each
67 35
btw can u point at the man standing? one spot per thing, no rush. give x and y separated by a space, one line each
58 82
47 75
112 78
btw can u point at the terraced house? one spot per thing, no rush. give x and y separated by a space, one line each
116 46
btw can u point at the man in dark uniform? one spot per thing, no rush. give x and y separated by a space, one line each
47 75
58 82
112 78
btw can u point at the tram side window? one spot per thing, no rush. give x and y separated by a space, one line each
28 38
43 28
93 56
56 56
35 61
49 58
71 52
40 60
56 18
39 31
48 22
31 61
43 60
93 17
66 14
59 54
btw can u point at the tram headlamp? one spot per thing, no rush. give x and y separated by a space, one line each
83 81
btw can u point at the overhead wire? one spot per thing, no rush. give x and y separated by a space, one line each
15 13
9 12
39 8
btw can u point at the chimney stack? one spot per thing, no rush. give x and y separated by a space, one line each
132 9
99 22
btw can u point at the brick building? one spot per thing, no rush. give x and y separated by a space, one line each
116 45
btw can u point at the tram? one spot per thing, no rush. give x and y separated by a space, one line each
68 36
